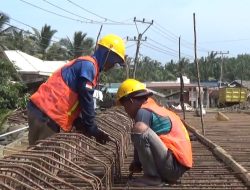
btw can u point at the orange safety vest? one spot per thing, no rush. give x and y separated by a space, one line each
177 140
57 100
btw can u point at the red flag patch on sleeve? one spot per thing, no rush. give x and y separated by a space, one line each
89 85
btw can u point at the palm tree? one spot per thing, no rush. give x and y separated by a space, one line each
17 40
43 38
80 45
4 31
57 52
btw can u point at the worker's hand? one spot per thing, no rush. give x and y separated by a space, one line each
79 127
102 137
135 167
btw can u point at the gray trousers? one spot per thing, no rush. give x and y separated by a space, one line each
40 125
155 158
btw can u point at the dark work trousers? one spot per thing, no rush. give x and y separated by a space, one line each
40 125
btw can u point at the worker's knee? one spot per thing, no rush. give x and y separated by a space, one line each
139 127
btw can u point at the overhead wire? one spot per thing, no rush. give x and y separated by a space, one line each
77 5
166 31
54 5
159 50
86 21
150 45
175 51
174 38
32 27
175 41
63 16
130 46
170 49
91 12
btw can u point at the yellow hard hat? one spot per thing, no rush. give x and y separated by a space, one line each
114 43
129 86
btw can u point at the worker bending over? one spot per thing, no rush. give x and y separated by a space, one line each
161 142
69 91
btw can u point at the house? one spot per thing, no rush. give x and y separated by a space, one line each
33 71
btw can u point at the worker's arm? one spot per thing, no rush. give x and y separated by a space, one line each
88 111
85 91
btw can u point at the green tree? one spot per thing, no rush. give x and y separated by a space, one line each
4 30
81 45
11 92
43 39
57 52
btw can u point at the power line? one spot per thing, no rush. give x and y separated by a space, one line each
91 12
165 36
32 27
174 51
69 11
77 5
53 12
73 19
174 38
166 31
159 50
162 45
130 45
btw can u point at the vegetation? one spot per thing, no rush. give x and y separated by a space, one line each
11 91
152 70
79 46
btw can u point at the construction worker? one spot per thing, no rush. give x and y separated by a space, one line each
58 102
161 143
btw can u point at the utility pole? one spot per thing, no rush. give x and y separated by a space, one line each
138 40
181 81
221 64
127 65
97 38
198 75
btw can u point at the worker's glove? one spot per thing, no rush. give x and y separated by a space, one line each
135 167
101 137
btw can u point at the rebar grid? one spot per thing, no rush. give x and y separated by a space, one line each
37 175
71 160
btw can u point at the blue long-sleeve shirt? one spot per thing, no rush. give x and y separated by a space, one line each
79 77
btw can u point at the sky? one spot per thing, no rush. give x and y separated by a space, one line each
221 25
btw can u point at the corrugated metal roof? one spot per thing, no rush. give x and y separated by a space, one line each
29 64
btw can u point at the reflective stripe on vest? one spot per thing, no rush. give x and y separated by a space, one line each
177 140
57 100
